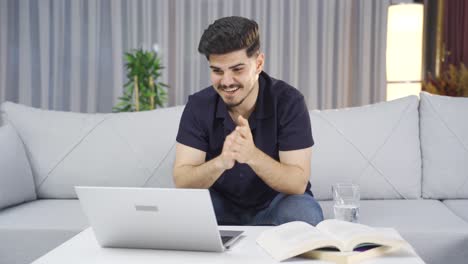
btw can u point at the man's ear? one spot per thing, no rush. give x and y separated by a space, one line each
260 62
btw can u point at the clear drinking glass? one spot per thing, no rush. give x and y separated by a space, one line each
346 201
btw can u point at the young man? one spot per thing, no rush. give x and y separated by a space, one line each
247 138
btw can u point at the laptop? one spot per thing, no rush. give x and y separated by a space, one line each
154 218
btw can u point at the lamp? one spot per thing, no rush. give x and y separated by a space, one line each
404 50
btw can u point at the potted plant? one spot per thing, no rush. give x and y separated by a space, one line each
143 91
452 82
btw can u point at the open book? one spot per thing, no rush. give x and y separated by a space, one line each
332 240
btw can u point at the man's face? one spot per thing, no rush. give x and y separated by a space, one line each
234 75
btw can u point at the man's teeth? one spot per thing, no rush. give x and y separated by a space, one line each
231 89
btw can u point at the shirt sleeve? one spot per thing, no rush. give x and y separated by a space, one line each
294 130
191 132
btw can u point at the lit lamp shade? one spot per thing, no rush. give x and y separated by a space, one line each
404 50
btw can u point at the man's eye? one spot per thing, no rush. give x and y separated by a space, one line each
217 71
237 69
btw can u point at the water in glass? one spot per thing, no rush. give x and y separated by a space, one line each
346 212
346 198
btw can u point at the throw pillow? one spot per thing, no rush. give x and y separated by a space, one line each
444 145
117 149
16 180
375 146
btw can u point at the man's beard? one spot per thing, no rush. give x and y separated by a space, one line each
238 86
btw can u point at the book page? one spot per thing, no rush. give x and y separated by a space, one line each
294 238
343 230
353 234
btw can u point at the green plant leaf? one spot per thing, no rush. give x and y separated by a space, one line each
142 64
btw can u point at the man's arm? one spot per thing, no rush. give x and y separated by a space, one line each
191 170
289 176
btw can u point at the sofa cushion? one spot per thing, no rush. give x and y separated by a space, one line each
16 180
459 207
30 230
405 215
435 232
375 146
444 146
119 149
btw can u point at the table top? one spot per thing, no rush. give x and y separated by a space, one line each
83 248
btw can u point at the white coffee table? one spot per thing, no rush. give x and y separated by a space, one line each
83 248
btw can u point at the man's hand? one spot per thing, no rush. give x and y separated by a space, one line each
226 158
243 145
238 146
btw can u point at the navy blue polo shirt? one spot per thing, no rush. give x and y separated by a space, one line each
280 122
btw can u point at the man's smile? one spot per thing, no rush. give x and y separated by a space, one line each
230 90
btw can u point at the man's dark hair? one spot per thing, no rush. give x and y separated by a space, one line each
229 34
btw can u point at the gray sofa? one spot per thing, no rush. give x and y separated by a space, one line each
409 156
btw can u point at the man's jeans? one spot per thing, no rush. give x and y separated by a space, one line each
284 208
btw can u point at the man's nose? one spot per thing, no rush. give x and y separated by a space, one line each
227 79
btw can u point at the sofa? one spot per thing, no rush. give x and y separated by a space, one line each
409 157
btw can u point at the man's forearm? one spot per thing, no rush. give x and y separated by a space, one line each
281 177
198 176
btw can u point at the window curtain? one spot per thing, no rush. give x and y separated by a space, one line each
455 33
67 55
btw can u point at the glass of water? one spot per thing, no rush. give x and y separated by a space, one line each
346 201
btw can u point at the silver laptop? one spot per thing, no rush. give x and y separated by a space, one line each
154 218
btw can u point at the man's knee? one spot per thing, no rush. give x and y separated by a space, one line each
298 208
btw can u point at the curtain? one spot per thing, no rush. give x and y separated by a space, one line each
456 32
67 55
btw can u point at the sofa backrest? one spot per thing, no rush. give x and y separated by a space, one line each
119 149
444 144
376 146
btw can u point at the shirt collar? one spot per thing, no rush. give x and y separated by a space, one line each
264 104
